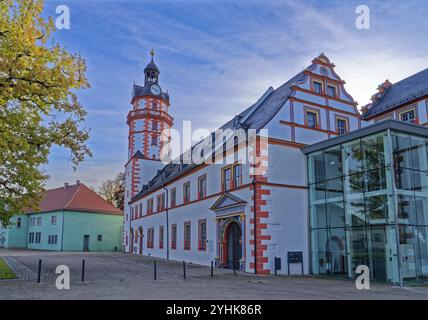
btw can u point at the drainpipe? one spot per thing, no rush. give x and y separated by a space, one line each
62 231
167 222
255 227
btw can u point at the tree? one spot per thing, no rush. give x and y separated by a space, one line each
113 190
39 107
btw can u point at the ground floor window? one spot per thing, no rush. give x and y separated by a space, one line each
31 237
187 233
38 237
53 239
174 236
202 235
100 237
150 237
161 237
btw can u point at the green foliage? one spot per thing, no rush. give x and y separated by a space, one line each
5 272
113 190
38 104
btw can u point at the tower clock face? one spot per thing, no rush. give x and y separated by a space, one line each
155 89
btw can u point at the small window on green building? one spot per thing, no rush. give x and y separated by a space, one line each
53 220
100 237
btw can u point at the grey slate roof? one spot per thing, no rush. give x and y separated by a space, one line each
401 92
255 117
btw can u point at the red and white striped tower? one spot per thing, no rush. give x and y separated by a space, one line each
147 121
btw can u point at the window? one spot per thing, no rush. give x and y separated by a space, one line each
18 223
160 202
141 209
100 237
237 175
31 237
227 178
154 140
173 197
154 125
342 126
312 119
38 236
202 187
317 87
174 236
39 221
202 232
408 116
53 220
187 235
331 91
161 237
52 239
150 237
186 192
32 221
150 206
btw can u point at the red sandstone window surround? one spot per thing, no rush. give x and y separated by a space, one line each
173 197
161 237
187 235
186 192
202 186
173 236
150 237
150 206
202 235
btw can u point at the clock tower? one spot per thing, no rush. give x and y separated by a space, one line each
149 123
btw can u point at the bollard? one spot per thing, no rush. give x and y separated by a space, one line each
83 271
184 270
234 271
39 271
154 269
212 268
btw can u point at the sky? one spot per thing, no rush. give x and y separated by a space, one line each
218 57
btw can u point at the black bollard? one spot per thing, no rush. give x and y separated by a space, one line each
212 268
234 271
154 270
184 269
83 271
39 271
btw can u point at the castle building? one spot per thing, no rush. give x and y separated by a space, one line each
283 207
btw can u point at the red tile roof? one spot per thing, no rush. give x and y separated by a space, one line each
77 197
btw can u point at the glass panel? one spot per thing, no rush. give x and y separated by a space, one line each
316 167
374 154
401 150
319 251
333 162
335 214
418 148
406 209
375 179
408 250
337 248
356 212
423 252
358 249
377 209
353 157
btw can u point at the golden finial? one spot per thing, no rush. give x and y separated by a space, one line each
152 53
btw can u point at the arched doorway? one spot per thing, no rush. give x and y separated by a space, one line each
232 245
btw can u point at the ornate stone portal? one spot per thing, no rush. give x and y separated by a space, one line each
231 233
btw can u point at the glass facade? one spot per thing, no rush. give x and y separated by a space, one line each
368 201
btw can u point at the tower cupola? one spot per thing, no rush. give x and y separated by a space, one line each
151 71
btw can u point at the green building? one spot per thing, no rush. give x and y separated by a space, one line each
71 218
368 201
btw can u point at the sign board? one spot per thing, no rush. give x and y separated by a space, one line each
277 263
294 257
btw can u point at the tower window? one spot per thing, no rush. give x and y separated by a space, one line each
154 140
154 125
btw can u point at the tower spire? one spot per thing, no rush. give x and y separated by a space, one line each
152 53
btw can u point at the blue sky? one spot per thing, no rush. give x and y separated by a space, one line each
217 57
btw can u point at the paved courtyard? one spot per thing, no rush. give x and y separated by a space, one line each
120 276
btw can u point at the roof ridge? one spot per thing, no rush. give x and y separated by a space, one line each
73 196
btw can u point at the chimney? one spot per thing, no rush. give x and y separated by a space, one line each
77 182
65 185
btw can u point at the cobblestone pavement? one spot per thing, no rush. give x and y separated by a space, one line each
121 276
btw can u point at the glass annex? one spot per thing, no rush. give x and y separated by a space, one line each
368 203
